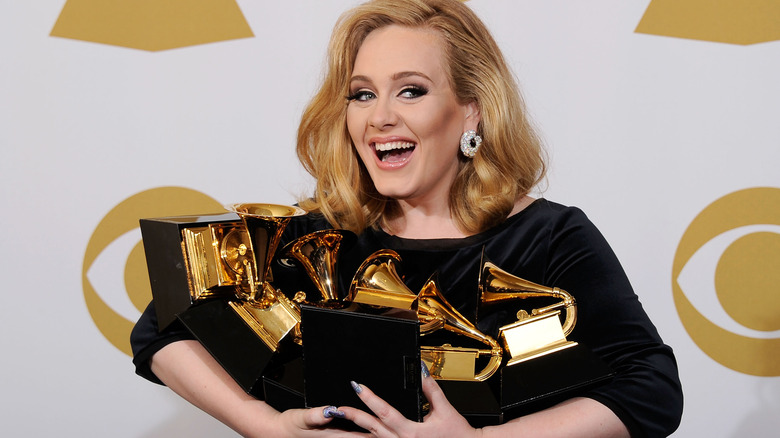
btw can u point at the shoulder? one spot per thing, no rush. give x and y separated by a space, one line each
543 214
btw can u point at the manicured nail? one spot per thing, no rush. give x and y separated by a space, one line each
332 411
424 369
356 386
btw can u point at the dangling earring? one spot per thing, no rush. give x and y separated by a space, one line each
470 143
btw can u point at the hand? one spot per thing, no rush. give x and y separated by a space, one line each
442 420
310 423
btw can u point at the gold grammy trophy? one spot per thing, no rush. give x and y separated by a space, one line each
317 253
373 338
543 367
538 333
377 283
191 259
244 331
267 311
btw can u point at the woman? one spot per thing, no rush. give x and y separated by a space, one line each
432 155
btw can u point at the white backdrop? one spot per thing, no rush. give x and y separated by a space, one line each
644 131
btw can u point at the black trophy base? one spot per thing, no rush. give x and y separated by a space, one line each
165 260
283 385
380 352
539 383
476 401
240 351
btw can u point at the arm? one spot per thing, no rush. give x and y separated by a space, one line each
173 358
578 417
190 371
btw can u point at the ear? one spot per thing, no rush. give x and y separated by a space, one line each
473 116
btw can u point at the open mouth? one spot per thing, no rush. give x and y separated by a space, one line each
394 151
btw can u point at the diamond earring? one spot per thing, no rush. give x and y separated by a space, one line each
470 143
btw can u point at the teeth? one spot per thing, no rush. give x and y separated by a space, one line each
383 147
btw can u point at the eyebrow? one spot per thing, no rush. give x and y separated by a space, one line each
395 76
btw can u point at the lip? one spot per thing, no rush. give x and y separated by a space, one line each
390 139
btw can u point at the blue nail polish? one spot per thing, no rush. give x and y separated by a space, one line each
424 370
332 411
356 386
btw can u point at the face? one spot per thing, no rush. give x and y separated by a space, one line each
403 116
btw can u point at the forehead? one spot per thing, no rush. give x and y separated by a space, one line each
397 48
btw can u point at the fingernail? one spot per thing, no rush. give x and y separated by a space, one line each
424 370
332 411
356 386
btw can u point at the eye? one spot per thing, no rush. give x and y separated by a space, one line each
361 96
697 280
107 273
413 92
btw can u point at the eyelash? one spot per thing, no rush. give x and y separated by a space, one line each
363 95
359 95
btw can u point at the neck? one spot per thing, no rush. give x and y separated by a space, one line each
423 222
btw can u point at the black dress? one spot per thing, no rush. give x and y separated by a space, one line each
548 244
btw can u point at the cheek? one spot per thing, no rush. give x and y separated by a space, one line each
444 135
354 125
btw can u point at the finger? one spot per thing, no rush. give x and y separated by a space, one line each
366 421
320 416
388 415
434 394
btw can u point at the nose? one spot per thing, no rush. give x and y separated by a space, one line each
383 114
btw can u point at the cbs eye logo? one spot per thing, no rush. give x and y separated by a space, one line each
726 281
114 275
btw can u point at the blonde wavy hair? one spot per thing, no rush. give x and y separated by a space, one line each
508 165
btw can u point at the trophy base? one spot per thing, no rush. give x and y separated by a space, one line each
283 385
166 261
537 384
381 352
476 401
240 351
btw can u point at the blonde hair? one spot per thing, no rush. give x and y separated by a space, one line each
508 165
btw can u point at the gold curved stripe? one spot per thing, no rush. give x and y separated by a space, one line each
152 25
740 22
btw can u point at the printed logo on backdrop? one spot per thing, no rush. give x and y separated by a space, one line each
152 25
114 275
726 281
731 21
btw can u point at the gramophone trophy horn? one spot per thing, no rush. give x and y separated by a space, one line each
268 312
318 252
377 283
264 225
448 362
532 335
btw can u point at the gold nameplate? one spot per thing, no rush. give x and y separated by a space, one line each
450 363
533 336
272 322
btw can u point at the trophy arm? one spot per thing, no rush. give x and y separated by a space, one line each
432 307
496 357
498 286
567 303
